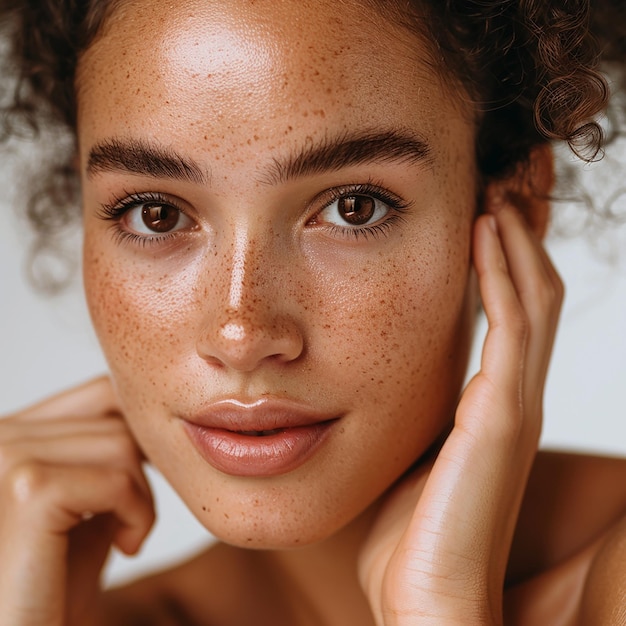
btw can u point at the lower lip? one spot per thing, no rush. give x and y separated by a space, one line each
246 455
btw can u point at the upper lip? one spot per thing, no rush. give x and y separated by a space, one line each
258 415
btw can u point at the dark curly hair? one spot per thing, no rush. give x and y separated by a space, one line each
530 67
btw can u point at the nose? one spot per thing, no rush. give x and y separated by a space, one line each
249 321
244 342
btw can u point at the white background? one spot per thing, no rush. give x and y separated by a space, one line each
47 345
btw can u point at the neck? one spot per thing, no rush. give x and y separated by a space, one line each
321 581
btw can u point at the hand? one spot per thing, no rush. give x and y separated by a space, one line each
71 484
438 552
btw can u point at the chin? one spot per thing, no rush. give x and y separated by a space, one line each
257 537
266 528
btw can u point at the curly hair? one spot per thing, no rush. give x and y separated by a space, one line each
531 68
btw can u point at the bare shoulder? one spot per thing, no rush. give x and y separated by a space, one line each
568 561
204 591
570 501
604 596
148 601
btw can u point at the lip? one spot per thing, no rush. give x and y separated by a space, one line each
225 435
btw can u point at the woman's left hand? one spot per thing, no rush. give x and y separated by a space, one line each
438 551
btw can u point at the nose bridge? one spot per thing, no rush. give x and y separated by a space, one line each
252 261
243 252
247 323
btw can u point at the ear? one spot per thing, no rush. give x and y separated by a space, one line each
528 190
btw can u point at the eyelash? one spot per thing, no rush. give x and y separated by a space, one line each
373 190
121 205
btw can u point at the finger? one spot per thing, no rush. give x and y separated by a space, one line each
15 428
117 451
539 288
505 344
93 398
46 500
535 277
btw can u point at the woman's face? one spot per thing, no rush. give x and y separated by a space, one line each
278 204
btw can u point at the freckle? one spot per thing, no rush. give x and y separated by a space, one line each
226 515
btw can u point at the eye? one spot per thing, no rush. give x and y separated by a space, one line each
354 210
360 211
156 218
146 217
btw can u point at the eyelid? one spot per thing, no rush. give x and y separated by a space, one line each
123 203
396 204
369 188
379 192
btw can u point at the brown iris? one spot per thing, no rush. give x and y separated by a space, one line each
357 210
160 218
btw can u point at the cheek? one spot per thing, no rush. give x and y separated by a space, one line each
403 315
393 349
143 318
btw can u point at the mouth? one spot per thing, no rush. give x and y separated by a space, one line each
259 439
260 433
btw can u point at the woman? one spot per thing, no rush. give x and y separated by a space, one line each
290 212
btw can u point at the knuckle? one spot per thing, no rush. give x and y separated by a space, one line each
148 514
542 299
546 295
541 295
26 481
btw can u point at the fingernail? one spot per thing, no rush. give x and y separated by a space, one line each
491 220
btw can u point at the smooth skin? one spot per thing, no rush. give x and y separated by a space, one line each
378 539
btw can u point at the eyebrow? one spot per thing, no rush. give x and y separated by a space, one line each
350 150
144 158
148 158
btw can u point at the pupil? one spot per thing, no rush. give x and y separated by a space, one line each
357 210
159 218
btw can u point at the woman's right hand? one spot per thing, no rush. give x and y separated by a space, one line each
71 485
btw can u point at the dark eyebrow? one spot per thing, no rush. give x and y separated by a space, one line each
143 158
350 150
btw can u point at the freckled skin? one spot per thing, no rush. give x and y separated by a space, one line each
256 301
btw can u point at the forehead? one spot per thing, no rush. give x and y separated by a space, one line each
211 68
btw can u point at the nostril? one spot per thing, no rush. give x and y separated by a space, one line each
242 342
